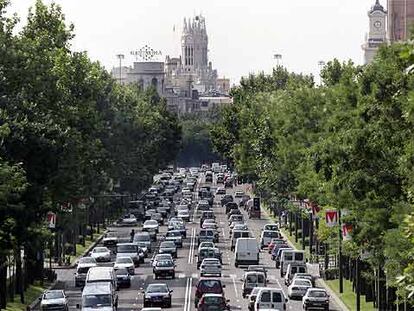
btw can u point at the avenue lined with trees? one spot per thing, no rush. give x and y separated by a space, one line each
71 142
345 145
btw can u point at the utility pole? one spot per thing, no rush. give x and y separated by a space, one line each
120 57
341 278
358 283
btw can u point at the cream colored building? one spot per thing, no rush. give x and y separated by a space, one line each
377 31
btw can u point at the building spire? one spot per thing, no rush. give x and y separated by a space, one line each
377 7
185 24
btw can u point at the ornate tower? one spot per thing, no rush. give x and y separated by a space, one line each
377 31
194 44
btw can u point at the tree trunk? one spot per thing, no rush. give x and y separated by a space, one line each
3 282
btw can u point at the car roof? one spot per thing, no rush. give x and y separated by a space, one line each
97 288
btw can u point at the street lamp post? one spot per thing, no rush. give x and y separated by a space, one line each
341 278
278 58
120 57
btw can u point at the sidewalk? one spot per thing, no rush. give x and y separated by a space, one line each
36 302
320 281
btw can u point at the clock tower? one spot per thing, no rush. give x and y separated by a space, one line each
377 31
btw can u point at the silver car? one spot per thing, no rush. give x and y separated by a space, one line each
210 266
54 300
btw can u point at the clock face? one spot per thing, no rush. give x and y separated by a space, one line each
377 24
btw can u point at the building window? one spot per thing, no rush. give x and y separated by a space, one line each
154 82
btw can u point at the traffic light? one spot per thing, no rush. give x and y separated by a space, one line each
256 204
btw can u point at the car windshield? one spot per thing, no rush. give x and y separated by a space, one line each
270 234
213 300
206 244
165 263
271 227
151 222
167 245
209 285
100 250
206 233
124 260
173 233
210 262
87 260
95 301
53 295
255 278
157 288
206 253
126 248
302 283
122 271
317 293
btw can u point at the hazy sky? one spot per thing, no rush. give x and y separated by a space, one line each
243 34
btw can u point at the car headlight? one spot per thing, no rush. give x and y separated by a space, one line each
147 297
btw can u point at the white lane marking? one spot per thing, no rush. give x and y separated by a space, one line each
235 285
192 242
224 233
186 296
281 287
187 300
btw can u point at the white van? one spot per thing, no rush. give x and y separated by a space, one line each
271 299
98 296
236 234
246 252
290 256
101 275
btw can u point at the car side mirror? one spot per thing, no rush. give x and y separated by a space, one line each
171 290
286 300
40 298
224 286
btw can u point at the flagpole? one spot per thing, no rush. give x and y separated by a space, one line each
341 281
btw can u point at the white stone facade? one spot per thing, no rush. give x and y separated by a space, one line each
377 31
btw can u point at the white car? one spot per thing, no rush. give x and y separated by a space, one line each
206 244
184 215
160 257
129 220
298 288
151 225
54 300
125 262
101 254
239 194
316 298
210 266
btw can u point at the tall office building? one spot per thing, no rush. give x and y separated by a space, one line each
400 19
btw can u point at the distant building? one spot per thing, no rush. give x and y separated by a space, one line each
400 19
144 74
184 79
223 85
377 31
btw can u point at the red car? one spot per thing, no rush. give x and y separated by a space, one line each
213 302
208 286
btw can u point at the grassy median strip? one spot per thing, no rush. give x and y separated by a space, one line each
30 295
80 249
348 296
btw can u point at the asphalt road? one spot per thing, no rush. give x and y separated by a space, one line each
186 272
